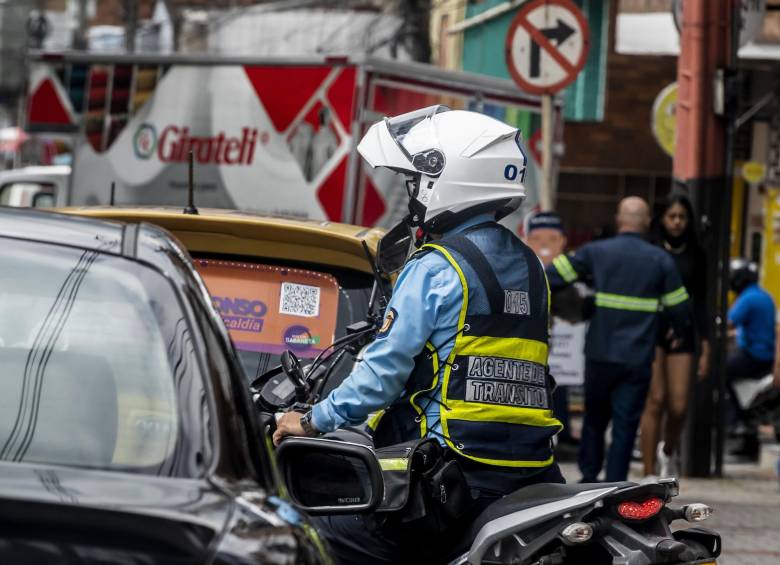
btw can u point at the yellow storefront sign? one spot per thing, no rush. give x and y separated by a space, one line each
770 260
664 118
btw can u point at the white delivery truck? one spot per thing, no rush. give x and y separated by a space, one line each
277 136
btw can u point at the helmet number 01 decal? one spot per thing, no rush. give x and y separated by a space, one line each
510 172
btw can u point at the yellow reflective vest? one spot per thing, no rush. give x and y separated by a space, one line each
495 402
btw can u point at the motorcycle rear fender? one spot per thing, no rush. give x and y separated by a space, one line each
516 522
708 538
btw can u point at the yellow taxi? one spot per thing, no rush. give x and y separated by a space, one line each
278 283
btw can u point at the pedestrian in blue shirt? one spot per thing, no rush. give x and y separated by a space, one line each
634 282
462 354
752 317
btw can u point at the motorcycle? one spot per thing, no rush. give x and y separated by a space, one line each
759 400
544 524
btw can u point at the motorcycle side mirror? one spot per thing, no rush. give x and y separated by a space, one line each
324 476
394 248
291 366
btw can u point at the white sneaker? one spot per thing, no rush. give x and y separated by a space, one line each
648 479
667 465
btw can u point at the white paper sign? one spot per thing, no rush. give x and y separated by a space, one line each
567 352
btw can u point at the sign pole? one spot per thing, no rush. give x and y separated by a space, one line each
546 196
546 47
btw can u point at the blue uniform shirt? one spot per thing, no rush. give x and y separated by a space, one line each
753 314
634 281
427 299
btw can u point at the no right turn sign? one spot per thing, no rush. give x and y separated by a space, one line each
546 45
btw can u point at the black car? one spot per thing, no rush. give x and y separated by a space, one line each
127 430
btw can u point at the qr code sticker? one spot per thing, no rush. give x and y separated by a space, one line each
300 300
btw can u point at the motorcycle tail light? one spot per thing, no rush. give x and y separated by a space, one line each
640 510
697 512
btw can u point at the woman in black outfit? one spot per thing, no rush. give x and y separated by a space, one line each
674 230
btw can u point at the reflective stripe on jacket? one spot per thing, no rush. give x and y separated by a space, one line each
495 404
634 282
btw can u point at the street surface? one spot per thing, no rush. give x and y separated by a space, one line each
747 510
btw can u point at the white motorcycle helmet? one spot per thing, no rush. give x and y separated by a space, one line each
458 164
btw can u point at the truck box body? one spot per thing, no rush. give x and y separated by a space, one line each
276 135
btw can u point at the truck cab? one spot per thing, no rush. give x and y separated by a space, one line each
34 187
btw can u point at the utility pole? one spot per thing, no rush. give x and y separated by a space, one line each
80 33
415 30
131 24
178 19
703 165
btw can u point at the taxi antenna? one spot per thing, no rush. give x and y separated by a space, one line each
113 191
190 209
378 289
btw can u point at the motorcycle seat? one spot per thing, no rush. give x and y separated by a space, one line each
535 495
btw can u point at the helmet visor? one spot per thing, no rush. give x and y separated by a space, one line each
415 136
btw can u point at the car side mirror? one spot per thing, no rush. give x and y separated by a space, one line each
394 248
325 476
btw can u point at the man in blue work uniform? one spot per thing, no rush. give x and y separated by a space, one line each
752 316
634 281
462 353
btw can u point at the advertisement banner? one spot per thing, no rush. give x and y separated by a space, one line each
256 144
271 309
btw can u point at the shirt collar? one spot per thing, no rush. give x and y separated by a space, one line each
471 222
633 233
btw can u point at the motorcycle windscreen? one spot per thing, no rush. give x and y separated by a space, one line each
269 309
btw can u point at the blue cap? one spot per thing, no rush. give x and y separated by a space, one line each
549 220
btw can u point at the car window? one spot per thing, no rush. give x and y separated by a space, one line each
94 355
270 308
34 194
43 200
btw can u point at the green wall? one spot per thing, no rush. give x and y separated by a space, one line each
483 52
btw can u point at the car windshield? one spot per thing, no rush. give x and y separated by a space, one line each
270 308
97 364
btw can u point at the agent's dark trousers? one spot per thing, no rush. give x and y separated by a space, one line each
612 392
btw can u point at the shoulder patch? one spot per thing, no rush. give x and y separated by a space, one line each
388 322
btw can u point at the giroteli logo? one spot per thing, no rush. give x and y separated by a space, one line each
145 141
174 144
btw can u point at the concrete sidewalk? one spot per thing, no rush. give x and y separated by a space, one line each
747 513
747 510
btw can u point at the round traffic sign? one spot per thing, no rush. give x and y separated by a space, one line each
753 172
664 115
546 45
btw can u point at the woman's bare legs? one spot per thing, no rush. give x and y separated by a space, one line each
654 409
678 384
